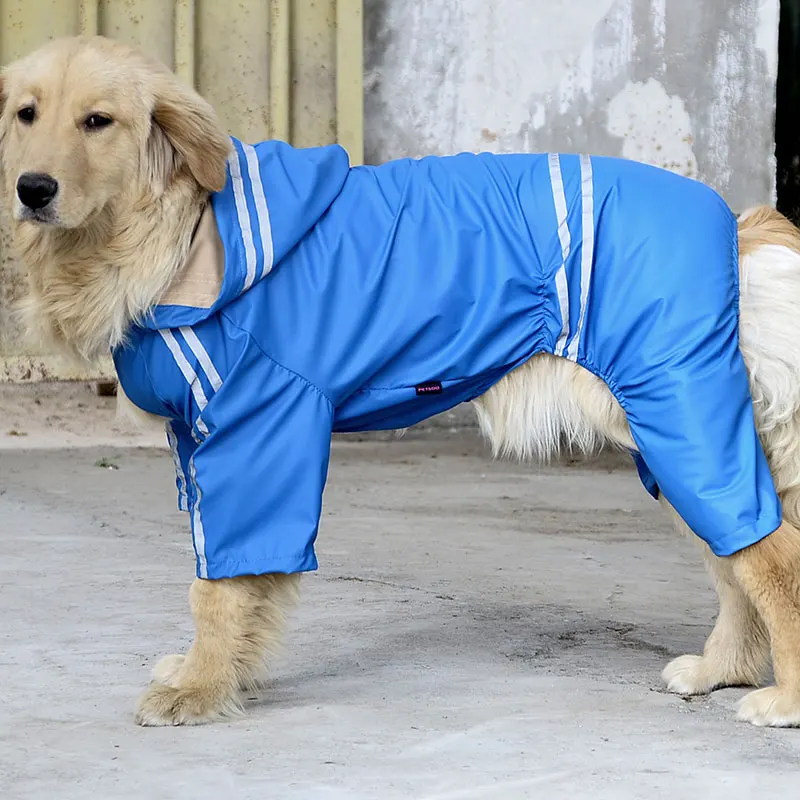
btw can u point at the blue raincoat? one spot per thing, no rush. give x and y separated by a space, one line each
373 297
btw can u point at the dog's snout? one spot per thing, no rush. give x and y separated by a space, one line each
36 190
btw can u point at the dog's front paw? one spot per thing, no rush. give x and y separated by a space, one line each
191 705
166 671
688 675
771 707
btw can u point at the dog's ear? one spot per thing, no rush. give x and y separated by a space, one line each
183 122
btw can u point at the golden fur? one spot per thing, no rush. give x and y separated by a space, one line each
123 230
117 236
238 622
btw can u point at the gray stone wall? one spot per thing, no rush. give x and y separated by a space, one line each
686 84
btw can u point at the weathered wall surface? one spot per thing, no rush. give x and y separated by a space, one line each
686 84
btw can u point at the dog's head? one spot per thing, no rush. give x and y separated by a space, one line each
89 121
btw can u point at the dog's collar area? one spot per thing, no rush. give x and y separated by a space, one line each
199 282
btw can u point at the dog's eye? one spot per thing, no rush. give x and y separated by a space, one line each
94 121
26 114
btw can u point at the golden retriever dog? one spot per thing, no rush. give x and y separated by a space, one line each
108 164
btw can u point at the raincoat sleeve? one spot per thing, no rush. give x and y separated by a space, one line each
256 478
663 332
695 430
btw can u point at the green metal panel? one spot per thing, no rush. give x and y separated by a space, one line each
232 63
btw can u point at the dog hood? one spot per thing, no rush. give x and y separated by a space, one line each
273 196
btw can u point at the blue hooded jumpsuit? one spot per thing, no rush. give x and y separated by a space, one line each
373 297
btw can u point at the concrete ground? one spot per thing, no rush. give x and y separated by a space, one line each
476 630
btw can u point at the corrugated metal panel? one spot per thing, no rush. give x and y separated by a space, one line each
350 78
287 69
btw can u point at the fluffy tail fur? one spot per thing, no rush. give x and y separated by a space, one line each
769 258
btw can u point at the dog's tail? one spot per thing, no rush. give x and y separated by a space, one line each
769 335
764 225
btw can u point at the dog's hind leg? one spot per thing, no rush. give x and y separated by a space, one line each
736 652
526 412
769 572
239 623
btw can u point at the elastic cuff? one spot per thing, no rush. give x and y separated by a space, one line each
745 536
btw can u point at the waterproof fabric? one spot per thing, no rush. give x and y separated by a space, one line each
374 297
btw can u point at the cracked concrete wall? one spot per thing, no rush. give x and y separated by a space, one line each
685 84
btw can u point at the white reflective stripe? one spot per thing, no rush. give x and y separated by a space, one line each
560 200
587 248
264 224
188 372
183 500
198 533
185 367
202 426
196 346
243 216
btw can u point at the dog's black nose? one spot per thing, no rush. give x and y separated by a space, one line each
35 189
